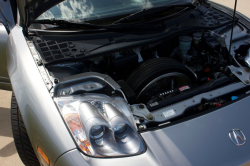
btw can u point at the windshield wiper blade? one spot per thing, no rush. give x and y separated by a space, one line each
149 11
126 26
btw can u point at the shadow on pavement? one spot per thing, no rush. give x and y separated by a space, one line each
5 127
8 150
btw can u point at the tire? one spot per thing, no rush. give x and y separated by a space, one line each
21 139
153 69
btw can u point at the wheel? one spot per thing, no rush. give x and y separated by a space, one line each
21 139
158 75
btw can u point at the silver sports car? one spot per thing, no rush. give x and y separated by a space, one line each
127 82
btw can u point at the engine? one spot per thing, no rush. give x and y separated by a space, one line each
162 81
152 73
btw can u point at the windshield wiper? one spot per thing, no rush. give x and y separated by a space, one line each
123 26
150 11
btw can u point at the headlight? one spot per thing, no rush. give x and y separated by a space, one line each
101 126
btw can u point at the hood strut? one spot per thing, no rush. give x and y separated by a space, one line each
235 5
30 12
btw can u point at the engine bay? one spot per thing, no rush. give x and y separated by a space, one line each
183 74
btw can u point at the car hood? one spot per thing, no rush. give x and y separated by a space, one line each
31 9
203 140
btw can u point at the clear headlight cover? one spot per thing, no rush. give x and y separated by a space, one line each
101 126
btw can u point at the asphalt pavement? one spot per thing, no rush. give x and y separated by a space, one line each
8 154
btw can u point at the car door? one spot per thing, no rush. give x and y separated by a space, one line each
7 22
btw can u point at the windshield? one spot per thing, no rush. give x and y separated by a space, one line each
97 9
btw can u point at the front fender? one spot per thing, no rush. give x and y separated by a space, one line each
42 120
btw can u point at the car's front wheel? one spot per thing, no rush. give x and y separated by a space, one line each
21 139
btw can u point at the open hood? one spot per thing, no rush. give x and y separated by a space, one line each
31 9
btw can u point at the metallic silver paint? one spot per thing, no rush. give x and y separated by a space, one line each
43 122
6 23
75 158
4 78
203 140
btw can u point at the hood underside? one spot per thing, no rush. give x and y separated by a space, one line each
31 9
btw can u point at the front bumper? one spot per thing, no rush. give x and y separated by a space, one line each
75 158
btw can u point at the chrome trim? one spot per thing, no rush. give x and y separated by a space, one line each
237 136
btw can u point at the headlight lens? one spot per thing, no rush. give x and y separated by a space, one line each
120 128
101 126
97 132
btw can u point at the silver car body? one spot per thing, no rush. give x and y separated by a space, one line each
34 100
4 78
5 14
203 140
